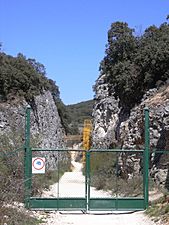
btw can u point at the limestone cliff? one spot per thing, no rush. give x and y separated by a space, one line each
115 126
105 115
46 128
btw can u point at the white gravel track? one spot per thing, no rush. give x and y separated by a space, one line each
72 184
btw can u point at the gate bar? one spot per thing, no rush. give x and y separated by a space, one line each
116 150
57 149
27 160
146 157
90 150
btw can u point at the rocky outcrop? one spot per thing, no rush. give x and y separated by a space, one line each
115 126
46 121
105 115
46 128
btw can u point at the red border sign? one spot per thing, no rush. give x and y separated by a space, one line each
34 163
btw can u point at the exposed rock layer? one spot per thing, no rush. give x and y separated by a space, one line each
46 128
115 126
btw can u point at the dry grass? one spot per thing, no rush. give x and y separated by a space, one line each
12 216
159 210
106 175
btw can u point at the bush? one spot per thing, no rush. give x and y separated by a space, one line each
23 77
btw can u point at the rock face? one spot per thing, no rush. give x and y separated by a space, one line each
117 127
46 121
105 115
46 128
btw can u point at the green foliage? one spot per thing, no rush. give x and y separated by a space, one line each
106 174
73 116
23 77
27 78
102 174
133 65
81 111
11 169
78 113
64 115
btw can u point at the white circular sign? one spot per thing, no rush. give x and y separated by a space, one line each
38 163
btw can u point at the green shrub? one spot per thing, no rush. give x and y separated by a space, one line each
23 77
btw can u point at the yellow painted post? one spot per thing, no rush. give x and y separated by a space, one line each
86 136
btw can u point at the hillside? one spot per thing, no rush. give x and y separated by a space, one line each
78 113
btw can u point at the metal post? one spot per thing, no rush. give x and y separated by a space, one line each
58 170
146 158
27 160
88 180
117 186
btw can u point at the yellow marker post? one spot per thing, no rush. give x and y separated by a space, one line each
86 136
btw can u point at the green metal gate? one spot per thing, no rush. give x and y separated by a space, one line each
67 199
92 172
124 194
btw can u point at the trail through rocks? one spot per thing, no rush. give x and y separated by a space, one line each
72 184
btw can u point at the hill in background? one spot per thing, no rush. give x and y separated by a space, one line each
78 113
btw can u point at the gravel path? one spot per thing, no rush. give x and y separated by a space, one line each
137 218
71 185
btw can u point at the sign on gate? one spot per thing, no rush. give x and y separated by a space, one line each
38 165
89 201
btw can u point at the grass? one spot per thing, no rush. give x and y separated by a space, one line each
43 181
106 175
159 209
11 189
12 183
12 216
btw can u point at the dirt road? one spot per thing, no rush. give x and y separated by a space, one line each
137 218
72 184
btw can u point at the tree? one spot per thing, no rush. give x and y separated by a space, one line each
152 56
117 64
23 77
132 65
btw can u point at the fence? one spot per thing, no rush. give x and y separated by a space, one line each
124 176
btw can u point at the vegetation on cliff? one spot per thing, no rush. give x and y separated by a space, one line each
78 113
24 77
133 64
73 116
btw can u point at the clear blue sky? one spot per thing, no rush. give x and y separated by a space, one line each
69 36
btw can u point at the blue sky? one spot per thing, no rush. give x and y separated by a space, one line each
69 36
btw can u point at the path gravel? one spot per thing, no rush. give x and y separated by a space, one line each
71 185
137 218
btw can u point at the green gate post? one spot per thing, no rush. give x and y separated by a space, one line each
27 160
146 158
88 180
